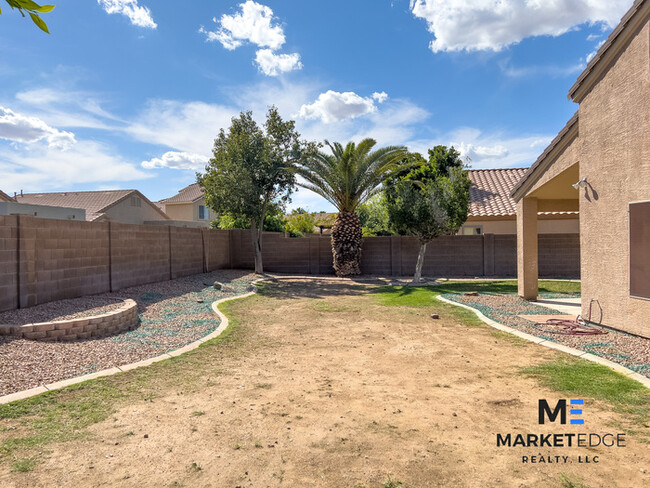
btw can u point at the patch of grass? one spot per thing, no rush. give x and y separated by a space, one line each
23 465
424 296
390 483
195 467
518 341
325 306
568 481
581 378
198 413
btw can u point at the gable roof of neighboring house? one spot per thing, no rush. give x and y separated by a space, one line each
96 203
189 194
616 41
5 198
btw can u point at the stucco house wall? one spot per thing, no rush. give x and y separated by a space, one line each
129 212
615 157
544 226
188 211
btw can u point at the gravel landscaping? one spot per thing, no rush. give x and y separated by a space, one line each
172 315
74 308
630 351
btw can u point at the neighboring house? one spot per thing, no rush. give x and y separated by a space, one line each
5 198
493 211
599 164
125 206
188 205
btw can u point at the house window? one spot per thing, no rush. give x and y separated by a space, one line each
639 245
471 230
203 213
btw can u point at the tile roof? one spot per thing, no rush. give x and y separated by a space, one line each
94 202
188 194
5 198
489 195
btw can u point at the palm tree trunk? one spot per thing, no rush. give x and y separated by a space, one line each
346 244
418 267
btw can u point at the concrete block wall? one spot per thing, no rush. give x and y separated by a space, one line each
8 262
217 249
139 254
61 259
187 256
559 255
42 260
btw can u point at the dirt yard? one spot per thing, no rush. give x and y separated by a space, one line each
320 385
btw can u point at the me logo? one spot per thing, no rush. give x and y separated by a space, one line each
560 410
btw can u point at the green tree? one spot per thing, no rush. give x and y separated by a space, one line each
33 9
374 217
347 178
300 222
251 169
429 200
274 220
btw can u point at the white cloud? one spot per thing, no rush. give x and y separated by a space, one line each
254 23
547 71
595 51
48 168
140 16
380 97
489 150
475 25
186 127
333 106
272 64
177 160
26 129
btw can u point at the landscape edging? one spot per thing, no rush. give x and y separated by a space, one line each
223 325
554 345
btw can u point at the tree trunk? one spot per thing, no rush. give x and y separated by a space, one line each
419 265
257 247
346 244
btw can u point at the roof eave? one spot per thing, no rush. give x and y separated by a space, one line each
622 33
568 133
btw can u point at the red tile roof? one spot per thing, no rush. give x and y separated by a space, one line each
188 194
489 195
94 202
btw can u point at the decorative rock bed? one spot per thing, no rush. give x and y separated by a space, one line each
115 321
628 350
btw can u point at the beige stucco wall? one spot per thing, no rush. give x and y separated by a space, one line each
125 213
187 211
42 211
615 158
544 226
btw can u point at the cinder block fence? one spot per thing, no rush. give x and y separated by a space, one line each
42 260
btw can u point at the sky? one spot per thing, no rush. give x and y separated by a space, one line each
131 93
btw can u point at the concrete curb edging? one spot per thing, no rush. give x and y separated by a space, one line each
554 345
223 325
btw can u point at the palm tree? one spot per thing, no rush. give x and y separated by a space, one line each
347 178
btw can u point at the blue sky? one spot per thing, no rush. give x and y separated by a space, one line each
131 93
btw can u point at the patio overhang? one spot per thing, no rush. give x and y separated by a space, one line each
548 186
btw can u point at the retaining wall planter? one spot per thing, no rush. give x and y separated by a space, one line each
113 322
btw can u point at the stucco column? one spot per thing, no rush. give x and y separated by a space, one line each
527 266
